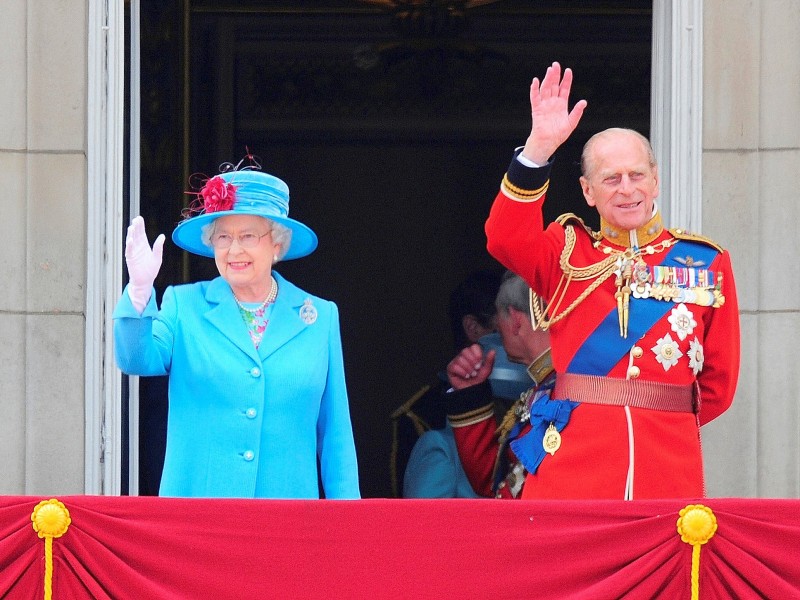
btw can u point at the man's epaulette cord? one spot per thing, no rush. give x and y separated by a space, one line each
682 234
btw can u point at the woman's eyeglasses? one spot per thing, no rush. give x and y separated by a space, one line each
223 241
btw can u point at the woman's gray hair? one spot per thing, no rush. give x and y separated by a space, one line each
513 292
280 235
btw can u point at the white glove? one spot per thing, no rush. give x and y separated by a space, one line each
143 263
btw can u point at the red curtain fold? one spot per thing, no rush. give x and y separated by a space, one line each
755 552
124 547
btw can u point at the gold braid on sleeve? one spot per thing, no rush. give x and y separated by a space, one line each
521 194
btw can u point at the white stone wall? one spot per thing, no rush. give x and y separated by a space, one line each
751 163
43 232
751 166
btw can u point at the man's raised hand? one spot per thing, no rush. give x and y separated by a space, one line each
552 122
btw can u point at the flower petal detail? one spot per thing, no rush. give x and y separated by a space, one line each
682 321
667 352
218 195
696 356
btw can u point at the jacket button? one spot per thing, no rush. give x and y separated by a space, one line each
251 413
637 352
634 372
255 372
248 455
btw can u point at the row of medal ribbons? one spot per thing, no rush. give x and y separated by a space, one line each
678 284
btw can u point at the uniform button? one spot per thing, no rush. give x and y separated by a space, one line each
251 413
637 352
248 455
634 372
255 372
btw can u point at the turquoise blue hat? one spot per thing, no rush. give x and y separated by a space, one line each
245 192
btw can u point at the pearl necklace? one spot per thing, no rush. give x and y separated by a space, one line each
273 293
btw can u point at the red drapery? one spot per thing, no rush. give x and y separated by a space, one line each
126 547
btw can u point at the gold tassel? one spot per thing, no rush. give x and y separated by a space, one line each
50 520
696 525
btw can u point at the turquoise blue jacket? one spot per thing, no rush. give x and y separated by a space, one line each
245 422
434 469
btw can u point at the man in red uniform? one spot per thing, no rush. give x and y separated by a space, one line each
643 321
495 459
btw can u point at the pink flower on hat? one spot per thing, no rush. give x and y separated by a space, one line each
218 195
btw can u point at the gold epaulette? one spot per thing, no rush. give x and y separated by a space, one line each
572 218
696 237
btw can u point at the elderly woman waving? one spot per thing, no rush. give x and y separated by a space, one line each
258 405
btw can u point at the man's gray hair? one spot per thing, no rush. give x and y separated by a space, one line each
586 156
513 292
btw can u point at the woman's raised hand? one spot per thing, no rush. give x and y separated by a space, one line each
143 263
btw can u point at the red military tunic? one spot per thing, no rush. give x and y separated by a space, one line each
622 451
489 463
472 418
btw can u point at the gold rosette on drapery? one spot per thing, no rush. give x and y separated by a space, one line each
50 520
696 525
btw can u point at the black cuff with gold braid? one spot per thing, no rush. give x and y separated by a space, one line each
470 405
526 184
471 418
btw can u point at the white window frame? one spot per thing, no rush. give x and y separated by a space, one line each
675 130
104 157
676 109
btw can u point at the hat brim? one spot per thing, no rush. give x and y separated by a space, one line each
188 234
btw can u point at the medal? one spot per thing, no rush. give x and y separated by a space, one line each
552 440
308 312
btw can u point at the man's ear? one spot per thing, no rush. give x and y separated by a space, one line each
517 319
587 191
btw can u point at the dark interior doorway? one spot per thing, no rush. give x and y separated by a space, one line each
393 142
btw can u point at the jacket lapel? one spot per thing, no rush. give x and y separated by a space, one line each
224 315
284 322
